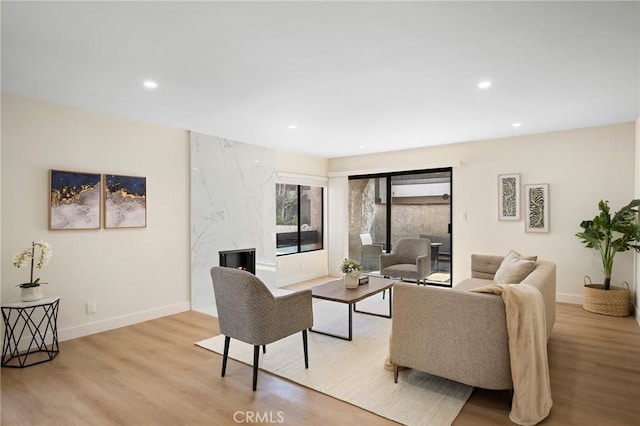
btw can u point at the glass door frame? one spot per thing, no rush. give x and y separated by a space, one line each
388 193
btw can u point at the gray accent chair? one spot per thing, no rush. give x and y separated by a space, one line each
410 259
370 253
249 312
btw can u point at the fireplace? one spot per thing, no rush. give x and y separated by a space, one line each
244 259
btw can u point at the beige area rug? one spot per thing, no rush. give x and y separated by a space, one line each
354 371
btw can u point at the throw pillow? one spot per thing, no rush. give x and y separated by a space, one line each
514 254
514 268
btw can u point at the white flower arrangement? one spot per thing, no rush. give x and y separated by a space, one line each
350 265
23 258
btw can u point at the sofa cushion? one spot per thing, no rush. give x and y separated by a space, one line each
471 283
514 268
485 266
402 270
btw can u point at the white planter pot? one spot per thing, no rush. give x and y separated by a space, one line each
351 279
31 294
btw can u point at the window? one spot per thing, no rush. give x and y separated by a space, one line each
298 218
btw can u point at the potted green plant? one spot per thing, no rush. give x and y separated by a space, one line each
610 234
31 290
351 270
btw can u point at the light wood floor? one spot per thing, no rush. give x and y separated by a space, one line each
152 374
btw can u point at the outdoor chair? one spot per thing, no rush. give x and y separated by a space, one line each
370 253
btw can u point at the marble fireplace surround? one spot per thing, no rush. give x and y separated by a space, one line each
230 213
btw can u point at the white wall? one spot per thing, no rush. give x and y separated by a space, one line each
132 274
581 166
293 163
298 267
338 229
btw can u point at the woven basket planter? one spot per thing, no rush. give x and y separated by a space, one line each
613 302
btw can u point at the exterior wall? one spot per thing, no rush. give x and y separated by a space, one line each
414 220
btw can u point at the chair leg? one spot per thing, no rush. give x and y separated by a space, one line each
396 369
256 357
225 355
383 293
305 348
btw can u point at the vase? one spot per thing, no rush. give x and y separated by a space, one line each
351 279
31 294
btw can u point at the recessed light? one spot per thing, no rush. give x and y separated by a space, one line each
150 84
484 84
516 124
293 126
362 146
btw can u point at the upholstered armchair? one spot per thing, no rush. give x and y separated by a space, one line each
409 259
249 312
370 253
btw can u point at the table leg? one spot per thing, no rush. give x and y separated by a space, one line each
349 337
373 313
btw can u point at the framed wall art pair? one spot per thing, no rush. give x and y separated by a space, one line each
80 200
536 202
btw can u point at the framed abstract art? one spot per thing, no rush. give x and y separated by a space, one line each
509 197
125 201
537 207
74 200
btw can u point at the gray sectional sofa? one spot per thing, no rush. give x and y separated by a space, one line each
458 334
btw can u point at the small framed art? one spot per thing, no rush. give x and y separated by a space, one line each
509 197
74 200
537 207
125 201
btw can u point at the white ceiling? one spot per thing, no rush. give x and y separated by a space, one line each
383 75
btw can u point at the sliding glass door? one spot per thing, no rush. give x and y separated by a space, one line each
386 207
367 221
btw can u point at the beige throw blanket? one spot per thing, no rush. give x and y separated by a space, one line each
526 327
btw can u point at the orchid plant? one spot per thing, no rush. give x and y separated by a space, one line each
29 256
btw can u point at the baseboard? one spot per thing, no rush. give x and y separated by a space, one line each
122 321
569 298
300 277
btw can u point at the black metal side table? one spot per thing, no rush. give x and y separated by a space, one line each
36 323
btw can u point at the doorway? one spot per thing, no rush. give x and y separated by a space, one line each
413 204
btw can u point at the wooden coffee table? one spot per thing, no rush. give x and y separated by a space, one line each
335 291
